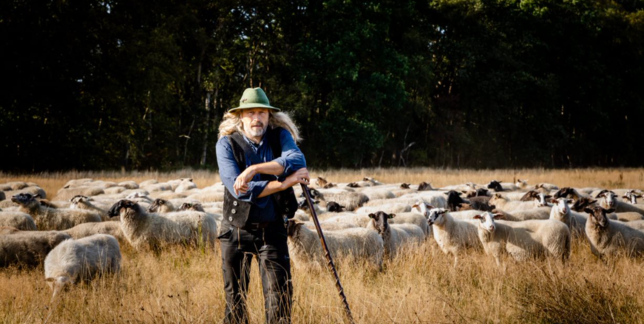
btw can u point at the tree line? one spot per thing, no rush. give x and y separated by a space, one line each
448 83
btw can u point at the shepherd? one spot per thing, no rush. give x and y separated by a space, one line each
259 163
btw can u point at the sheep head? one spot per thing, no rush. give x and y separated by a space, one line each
192 206
597 216
530 195
118 207
26 200
293 228
380 221
333 206
495 185
561 206
582 203
58 284
424 186
487 221
607 199
156 204
437 216
404 185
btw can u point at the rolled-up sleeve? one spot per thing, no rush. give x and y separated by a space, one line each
229 170
292 158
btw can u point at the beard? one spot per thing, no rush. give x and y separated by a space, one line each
256 131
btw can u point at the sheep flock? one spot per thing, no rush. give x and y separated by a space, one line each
77 232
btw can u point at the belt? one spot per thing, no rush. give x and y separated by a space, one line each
255 226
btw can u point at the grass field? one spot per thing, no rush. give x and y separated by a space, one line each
420 286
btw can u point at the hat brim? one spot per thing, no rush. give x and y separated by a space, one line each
250 106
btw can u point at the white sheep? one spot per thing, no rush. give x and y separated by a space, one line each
608 200
360 220
85 203
394 236
522 184
89 229
561 211
129 184
359 244
546 186
528 214
82 259
53 218
523 240
27 248
387 208
144 230
414 219
611 238
453 235
19 220
508 205
350 200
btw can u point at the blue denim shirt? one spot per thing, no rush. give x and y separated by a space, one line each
291 159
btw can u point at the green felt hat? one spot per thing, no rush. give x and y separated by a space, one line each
254 98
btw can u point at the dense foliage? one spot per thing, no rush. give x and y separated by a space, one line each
462 83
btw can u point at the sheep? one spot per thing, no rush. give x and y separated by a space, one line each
357 243
68 193
157 187
360 220
499 186
81 259
561 211
480 192
412 218
14 185
480 203
523 240
88 229
161 206
378 193
18 220
143 230
546 186
28 248
208 195
330 226
528 214
351 200
424 186
505 204
53 219
34 190
454 200
77 182
83 202
453 235
4 230
394 236
433 198
521 184
568 192
148 182
608 200
611 238
630 196
388 208
2 196
129 184
334 207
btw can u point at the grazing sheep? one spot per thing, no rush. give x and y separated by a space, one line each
570 193
453 235
351 200
394 236
360 220
480 192
522 184
129 184
527 214
499 186
53 219
144 230
611 238
424 186
82 259
68 193
523 240
27 248
85 203
388 208
89 229
546 186
34 190
2 196
360 244
330 226
19 220
481 203
507 205
161 206
334 207
454 200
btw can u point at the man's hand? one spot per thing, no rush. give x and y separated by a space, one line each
241 183
299 176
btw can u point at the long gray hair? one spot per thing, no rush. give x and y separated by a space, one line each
232 123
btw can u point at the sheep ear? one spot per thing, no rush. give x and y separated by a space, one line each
478 216
372 215
498 216
459 193
610 211
446 194
429 206
50 279
415 205
37 196
588 210
391 215
556 201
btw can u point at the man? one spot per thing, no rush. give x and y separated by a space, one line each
259 162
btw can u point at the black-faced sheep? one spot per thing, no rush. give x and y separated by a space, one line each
53 218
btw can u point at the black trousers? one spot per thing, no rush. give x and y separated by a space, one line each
268 245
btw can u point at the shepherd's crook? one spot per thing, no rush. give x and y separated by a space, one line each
338 285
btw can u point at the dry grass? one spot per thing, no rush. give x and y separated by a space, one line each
420 286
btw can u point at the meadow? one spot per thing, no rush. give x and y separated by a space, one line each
419 286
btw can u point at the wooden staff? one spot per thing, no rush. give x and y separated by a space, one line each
330 264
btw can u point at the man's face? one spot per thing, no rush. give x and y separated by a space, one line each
255 122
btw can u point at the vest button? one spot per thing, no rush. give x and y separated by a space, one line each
233 211
234 203
286 210
230 218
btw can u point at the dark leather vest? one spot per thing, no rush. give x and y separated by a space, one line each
236 211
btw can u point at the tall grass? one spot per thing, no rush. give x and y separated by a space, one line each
419 286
